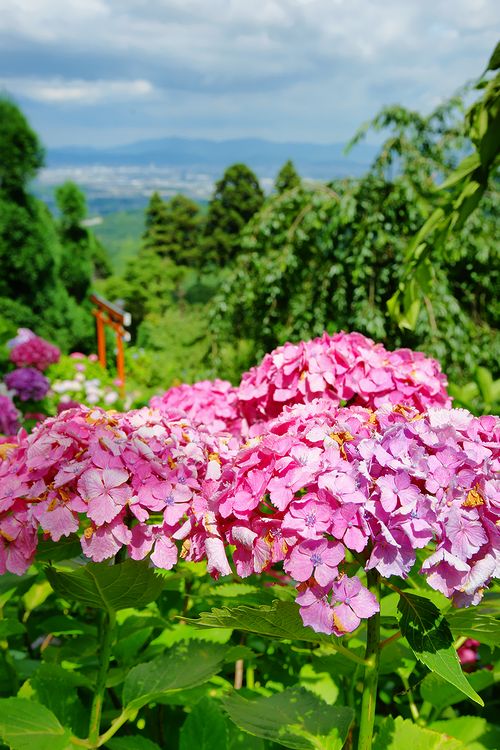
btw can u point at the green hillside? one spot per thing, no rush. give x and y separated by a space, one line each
120 233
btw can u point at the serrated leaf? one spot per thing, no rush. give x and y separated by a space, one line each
431 640
184 666
132 742
473 731
473 624
26 725
395 734
280 620
205 728
294 718
111 587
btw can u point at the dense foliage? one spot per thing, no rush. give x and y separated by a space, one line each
329 257
47 266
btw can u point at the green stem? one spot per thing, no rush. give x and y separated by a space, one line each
115 726
372 658
413 706
106 636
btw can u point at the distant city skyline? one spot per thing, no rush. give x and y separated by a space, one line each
110 72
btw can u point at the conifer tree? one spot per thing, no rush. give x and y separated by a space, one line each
287 178
156 234
237 197
76 262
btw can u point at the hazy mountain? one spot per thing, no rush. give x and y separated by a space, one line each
212 157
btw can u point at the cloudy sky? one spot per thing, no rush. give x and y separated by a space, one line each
101 72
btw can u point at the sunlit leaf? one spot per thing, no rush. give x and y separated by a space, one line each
431 640
294 718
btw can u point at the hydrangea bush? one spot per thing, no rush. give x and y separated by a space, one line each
45 383
337 463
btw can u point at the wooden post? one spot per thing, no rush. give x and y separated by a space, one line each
108 314
101 338
120 360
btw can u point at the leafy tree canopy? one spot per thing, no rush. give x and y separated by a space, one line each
21 153
330 257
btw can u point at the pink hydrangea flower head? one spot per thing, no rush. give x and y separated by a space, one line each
327 479
211 405
97 473
343 367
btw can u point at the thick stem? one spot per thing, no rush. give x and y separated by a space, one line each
372 657
106 637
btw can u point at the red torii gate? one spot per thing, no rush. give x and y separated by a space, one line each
107 314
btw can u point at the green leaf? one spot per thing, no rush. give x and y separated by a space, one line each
318 682
55 688
442 694
294 718
65 549
473 731
279 620
466 166
431 640
11 627
25 725
132 742
184 632
395 734
485 382
473 624
494 62
110 587
234 590
66 625
184 666
10 584
240 740
205 728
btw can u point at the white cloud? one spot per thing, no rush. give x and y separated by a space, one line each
316 67
57 90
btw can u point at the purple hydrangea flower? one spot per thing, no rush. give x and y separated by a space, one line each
8 416
27 383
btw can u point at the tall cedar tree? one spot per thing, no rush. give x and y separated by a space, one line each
76 265
156 235
237 197
173 229
287 178
31 291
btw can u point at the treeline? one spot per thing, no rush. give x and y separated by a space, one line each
48 264
211 292
211 288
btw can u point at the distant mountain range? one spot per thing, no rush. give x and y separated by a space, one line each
212 157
